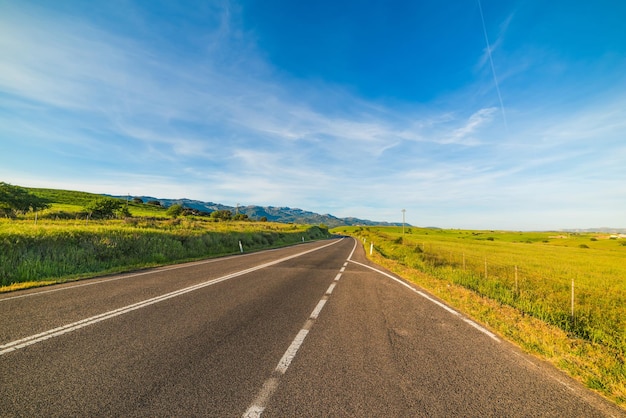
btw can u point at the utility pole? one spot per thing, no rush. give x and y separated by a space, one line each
403 212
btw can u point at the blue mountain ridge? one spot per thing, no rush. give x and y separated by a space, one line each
272 213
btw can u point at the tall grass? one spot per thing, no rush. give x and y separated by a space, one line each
65 249
531 273
542 286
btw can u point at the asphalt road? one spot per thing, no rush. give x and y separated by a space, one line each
312 330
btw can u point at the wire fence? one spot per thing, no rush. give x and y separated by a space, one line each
591 310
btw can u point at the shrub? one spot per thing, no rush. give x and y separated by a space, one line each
104 208
174 211
223 215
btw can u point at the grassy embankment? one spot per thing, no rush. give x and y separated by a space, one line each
475 271
62 244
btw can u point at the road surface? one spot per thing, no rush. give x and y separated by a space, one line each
312 330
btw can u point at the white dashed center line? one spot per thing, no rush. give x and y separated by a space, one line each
271 384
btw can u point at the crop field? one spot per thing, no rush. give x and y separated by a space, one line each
576 282
51 250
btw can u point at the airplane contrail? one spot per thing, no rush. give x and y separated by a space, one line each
493 69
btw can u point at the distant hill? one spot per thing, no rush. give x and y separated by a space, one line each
272 213
605 230
79 199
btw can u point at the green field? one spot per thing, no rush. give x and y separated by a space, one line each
71 204
532 274
63 242
55 251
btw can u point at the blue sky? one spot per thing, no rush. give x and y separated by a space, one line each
345 107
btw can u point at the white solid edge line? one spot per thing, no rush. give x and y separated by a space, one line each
155 270
120 277
64 329
352 252
436 302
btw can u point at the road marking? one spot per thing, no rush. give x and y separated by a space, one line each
271 384
433 300
352 253
155 270
331 288
55 332
259 404
338 277
318 309
291 352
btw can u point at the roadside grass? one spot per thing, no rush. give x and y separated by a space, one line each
533 311
26 285
53 251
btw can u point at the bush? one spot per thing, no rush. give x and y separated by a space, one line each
105 208
223 215
174 211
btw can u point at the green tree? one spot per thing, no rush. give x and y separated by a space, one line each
15 199
103 207
222 215
174 211
241 217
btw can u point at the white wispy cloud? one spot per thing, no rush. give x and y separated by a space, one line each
220 125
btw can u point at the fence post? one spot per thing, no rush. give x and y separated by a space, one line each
516 284
572 301
485 267
240 247
371 248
